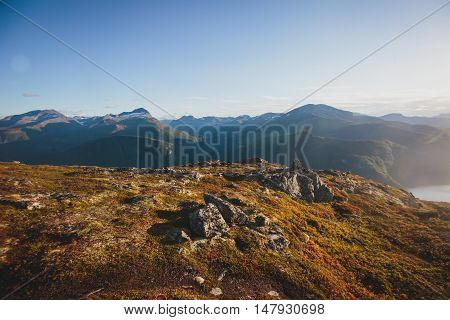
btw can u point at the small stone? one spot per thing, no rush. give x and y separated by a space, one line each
199 280
311 296
183 236
231 185
133 200
273 294
222 275
35 205
196 175
62 195
305 238
216 291
277 242
177 236
179 250
236 202
187 287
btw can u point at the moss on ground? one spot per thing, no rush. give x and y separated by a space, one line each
100 230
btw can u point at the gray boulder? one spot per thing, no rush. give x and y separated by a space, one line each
229 212
305 185
296 165
411 200
287 182
324 194
306 188
207 221
315 180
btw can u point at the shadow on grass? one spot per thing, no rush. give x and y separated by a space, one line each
177 219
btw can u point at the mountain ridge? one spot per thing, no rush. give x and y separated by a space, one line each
340 139
439 121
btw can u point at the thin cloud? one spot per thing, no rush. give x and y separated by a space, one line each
197 98
276 98
30 94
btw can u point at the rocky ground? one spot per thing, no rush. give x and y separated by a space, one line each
216 230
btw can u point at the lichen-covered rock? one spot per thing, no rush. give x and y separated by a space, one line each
315 179
324 194
199 244
306 188
216 292
277 242
411 201
296 165
286 182
207 221
229 212
301 185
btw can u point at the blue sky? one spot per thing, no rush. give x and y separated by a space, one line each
224 57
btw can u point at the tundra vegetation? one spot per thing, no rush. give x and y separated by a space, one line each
216 231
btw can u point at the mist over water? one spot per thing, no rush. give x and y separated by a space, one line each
432 193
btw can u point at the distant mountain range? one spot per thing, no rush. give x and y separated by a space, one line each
440 121
393 149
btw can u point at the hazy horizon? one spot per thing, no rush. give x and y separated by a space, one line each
124 110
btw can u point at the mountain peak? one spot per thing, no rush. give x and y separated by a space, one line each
32 118
138 111
394 114
311 108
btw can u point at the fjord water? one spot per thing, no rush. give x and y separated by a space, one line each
432 193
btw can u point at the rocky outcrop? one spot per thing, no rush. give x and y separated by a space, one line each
218 215
230 213
207 221
296 181
296 165
303 184
214 217
411 201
